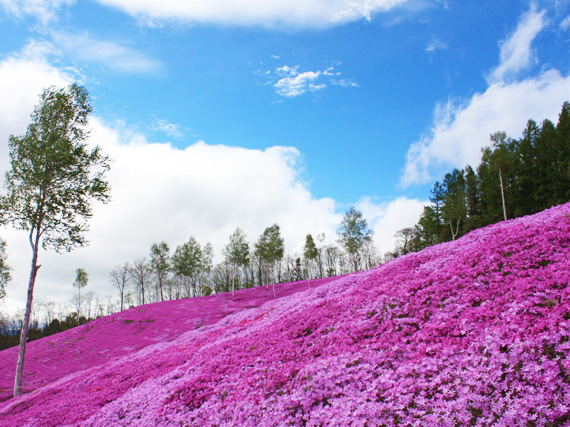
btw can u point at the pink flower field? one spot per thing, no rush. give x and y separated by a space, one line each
474 332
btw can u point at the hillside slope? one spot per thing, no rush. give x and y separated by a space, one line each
109 338
472 332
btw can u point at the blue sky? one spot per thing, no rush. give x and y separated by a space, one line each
229 113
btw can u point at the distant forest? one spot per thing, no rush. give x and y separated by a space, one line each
516 177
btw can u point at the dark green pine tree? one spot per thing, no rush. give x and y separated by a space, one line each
472 200
524 168
563 153
428 226
546 167
454 209
310 252
491 207
437 197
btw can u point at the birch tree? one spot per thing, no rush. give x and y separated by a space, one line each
160 266
81 280
187 262
353 232
270 249
237 253
500 159
54 178
140 272
120 277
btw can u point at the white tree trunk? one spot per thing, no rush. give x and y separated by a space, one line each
503 194
26 324
233 280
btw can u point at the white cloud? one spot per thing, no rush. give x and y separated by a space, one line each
276 13
44 10
293 83
461 129
516 52
33 74
289 82
159 193
386 219
171 129
112 55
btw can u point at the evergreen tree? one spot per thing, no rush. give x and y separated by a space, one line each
310 253
563 153
491 199
546 181
454 209
472 199
427 229
437 197
524 165
514 178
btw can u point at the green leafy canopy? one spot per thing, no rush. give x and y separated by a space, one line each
54 174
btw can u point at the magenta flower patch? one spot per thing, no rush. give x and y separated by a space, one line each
474 332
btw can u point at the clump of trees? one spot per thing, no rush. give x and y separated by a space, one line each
53 317
516 177
189 271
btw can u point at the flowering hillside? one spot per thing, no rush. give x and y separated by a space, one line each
111 337
469 333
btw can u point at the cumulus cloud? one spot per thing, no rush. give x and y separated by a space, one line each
289 82
293 83
159 193
44 11
33 74
461 128
276 13
387 218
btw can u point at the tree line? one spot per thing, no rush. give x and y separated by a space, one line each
516 177
188 271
